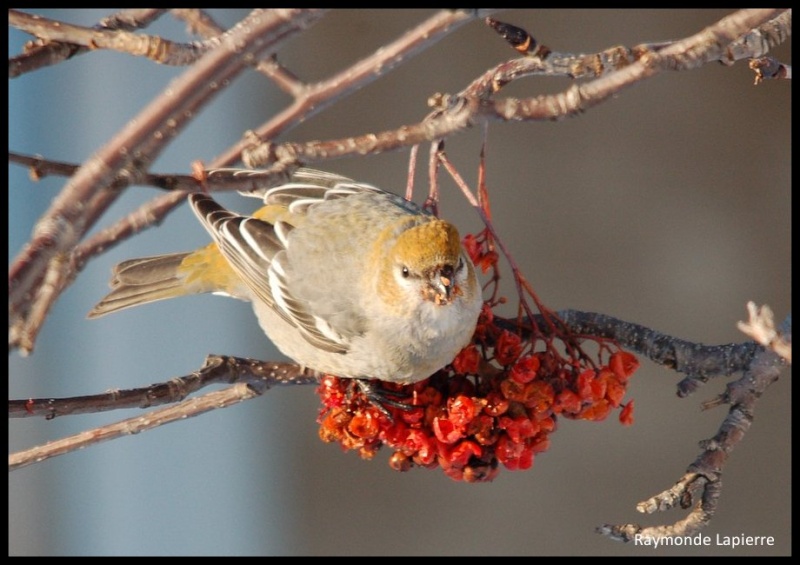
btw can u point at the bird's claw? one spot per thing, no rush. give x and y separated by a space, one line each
379 397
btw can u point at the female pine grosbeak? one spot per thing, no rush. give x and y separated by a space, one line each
345 278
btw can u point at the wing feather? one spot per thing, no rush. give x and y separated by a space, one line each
255 249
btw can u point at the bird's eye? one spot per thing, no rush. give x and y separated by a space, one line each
405 272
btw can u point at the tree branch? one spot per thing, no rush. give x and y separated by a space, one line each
42 53
471 106
704 475
86 196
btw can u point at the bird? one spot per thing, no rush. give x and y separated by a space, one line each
345 279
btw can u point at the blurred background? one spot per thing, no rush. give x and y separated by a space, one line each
668 206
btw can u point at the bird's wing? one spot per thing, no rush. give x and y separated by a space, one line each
256 250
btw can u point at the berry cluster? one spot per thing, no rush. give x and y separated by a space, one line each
496 403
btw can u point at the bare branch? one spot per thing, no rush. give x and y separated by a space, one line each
250 379
198 22
758 42
470 107
127 156
40 167
698 362
217 369
704 47
705 473
316 97
542 61
153 47
43 53
698 517
186 409
201 23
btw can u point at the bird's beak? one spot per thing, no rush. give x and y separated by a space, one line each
442 283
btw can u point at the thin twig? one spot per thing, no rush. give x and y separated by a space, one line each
249 379
316 97
153 47
456 113
39 167
705 473
41 53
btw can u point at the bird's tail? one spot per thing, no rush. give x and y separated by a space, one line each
148 279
